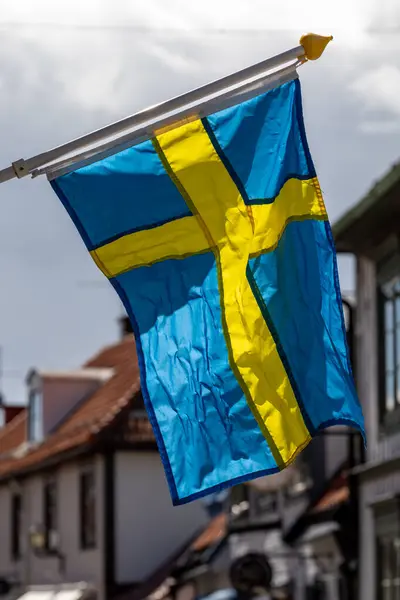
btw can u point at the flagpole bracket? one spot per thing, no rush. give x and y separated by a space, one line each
314 45
20 168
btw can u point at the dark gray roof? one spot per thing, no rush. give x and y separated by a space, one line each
367 221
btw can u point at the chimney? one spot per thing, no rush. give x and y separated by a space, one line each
125 326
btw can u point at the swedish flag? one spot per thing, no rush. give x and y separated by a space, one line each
216 238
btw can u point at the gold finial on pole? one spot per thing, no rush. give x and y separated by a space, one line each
314 44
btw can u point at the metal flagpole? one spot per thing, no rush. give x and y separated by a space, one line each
169 120
141 124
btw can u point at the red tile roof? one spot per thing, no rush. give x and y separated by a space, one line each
11 411
337 493
215 531
14 433
332 499
89 420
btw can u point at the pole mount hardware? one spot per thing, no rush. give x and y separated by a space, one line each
20 168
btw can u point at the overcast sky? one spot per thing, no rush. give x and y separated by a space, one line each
67 68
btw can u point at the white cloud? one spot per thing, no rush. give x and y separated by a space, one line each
324 17
380 126
379 89
118 57
378 94
103 55
172 59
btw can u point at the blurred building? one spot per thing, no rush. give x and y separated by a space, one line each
371 232
83 497
302 520
305 521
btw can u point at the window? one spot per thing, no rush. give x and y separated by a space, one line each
388 562
264 504
389 326
87 502
35 416
387 521
239 501
301 480
16 517
50 515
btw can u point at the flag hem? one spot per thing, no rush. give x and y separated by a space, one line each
264 472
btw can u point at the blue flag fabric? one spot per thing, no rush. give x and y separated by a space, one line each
216 238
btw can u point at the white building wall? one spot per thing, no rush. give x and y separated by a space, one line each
148 528
80 565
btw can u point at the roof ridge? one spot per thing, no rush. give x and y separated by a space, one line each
377 189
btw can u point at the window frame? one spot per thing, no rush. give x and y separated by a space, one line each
87 541
50 514
387 549
35 421
388 273
239 502
302 480
16 525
